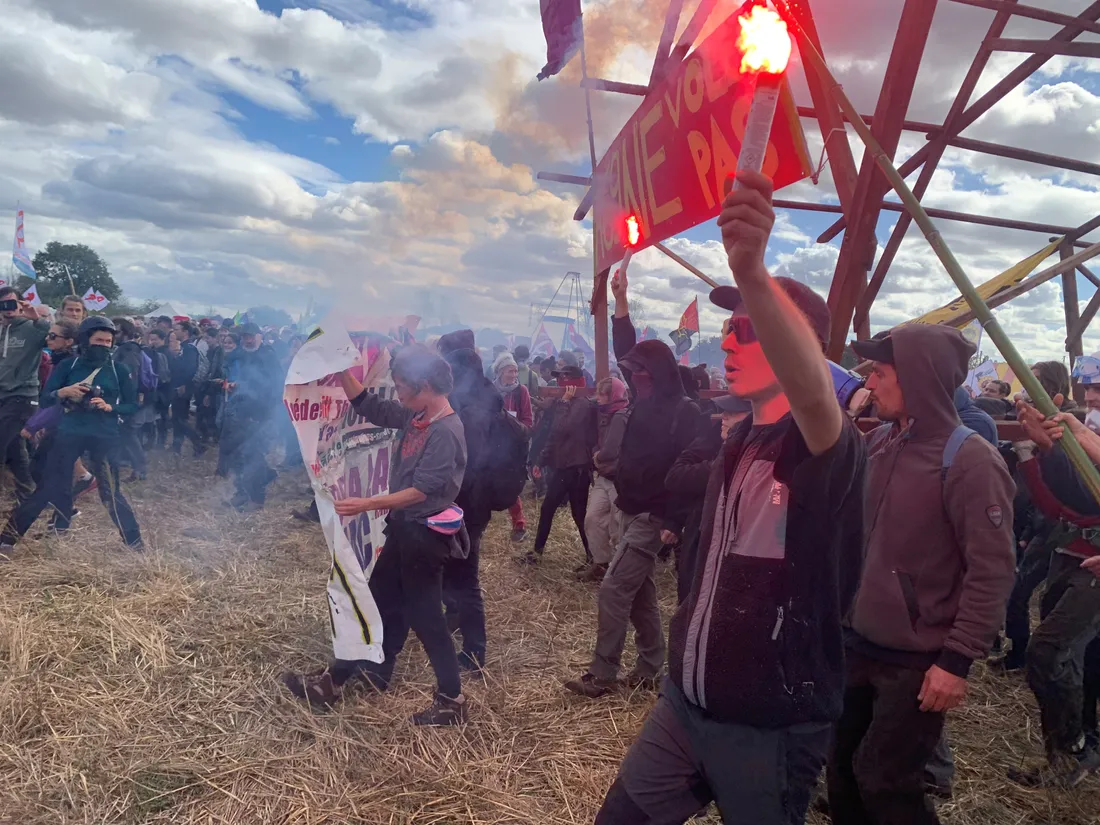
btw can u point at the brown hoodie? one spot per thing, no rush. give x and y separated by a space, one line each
939 561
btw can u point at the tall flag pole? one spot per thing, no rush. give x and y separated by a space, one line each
19 257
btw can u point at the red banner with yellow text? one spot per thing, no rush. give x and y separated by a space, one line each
669 164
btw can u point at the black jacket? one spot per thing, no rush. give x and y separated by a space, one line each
658 430
183 365
477 402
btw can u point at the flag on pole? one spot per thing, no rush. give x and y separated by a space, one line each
541 344
94 300
561 23
31 296
689 325
574 340
19 254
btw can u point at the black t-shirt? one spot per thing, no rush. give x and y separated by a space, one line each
759 640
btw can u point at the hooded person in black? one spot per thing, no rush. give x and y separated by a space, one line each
662 422
477 402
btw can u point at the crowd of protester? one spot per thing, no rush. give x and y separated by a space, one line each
835 584
85 397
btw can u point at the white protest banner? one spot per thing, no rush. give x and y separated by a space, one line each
346 456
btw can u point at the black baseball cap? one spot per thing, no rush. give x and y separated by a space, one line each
733 404
249 329
568 371
880 348
813 306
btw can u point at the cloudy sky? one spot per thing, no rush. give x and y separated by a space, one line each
383 153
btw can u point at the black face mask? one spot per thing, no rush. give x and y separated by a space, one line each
96 354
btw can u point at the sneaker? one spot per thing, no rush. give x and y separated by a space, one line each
592 573
1063 770
471 662
519 535
315 689
444 711
591 686
135 476
530 557
646 684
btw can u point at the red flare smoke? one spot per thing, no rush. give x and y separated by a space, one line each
765 42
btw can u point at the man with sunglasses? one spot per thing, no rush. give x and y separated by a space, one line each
756 649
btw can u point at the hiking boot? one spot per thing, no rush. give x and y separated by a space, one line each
316 689
444 711
530 557
1009 663
306 515
1063 770
135 476
471 662
592 686
519 535
592 573
646 684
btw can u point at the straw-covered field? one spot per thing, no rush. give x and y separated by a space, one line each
142 688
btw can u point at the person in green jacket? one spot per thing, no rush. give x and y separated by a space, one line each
92 391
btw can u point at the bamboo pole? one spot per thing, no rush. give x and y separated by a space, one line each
1020 368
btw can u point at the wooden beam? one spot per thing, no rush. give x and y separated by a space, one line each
1046 47
1070 304
827 112
857 250
599 85
1025 155
1084 229
713 284
992 97
1038 279
692 31
672 17
1084 270
906 125
560 177
599 320
1034 13
939 145
1083 322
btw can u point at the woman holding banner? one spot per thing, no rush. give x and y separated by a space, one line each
407 580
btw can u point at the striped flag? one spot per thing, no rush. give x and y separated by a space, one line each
19 254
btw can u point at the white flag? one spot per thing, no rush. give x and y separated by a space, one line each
31 296
94 300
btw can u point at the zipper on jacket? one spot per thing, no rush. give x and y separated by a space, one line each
7 333
778 622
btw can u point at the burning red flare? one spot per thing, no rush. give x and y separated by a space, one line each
765 41
633 232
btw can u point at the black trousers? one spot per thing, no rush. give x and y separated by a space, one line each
244 444
881 746
14 413
407 586
462 595
570 484
130 448
181 429
57 489
1070 613
206 413
1031 573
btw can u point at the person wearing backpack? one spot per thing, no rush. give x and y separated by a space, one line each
189 368
128 351
939 563
156 347
93 391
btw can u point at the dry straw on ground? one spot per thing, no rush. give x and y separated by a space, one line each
142 688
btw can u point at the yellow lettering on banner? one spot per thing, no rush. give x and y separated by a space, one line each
674 110
652 160
630 200
700 154
613 172
693 85
717 84
725 160
643 210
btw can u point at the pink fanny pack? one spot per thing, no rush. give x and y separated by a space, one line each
447 522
